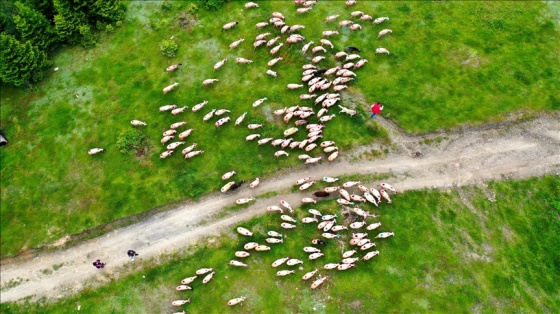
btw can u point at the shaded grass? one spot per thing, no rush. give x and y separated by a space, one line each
46 172
446 256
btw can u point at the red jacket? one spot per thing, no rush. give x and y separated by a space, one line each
376 108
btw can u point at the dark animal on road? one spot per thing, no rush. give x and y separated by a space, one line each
236 185
321 194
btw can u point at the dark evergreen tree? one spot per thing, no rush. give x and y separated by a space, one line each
69 17
33 26
21 63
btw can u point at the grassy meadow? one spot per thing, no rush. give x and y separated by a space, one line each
447 256
451 63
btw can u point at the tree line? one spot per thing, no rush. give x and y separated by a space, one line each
32 29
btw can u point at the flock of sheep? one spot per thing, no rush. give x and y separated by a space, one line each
352 224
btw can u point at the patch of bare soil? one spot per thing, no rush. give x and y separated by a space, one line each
465 156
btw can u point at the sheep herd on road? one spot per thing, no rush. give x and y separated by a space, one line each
352 224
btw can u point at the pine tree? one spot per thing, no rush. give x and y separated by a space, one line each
68 19
108 11
21 63
34 26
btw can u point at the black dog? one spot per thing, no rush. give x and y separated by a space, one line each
321 194
236 185
352 49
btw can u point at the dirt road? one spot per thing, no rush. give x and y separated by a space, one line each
466 156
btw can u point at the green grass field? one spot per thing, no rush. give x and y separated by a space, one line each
452 63
446 256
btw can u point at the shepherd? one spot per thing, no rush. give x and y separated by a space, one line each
376 109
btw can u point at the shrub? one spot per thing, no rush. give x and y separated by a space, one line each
130 139
212 5
167 5
109 28
192 8
168 48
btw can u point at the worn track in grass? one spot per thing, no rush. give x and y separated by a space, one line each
464 156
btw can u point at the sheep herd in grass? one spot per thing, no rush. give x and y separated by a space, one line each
352 224
315 80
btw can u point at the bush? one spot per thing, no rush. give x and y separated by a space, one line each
109 29
168 48
212 5
130 139
192 8
167 5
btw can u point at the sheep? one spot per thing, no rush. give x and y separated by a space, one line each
261 36
219 64
264 141
306 46
385 196
331 266
181 302
281 153
228 175
261 248
284 29
290 131
382 50
288 218
258 43
308 200
183 287
243 231
208 277
384 235
331 71
307 96
309 3
227 186
318 282
254 183
296 27
280 261
236 43
275 49
259 102
360 63
384 32
310 147
249 5
338 228
317 59
274 61
311 249
167 107
193 153
367 246
303 10
272 73
331 18
295 39
355 26
197 107
94 151
165 154
242 201
178 110
327 43
309 274
167 138
250 245
272 41
329 33
240 299
345 266
254 126
274 240
138 123
252 137
169 132
209 81
188 280
243 60
357 13
306 185
350 3
388 187
188 149
348 111
284 272
261 24
308 67
293 262
376 193
203 271
357 224
366 17
380 20
229 25
345 23
294 86
169 88
352 57
369 255
174 145
173 67
222 121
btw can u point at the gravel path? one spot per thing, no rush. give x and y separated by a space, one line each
466 156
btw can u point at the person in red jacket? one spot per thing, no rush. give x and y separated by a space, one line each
375 109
